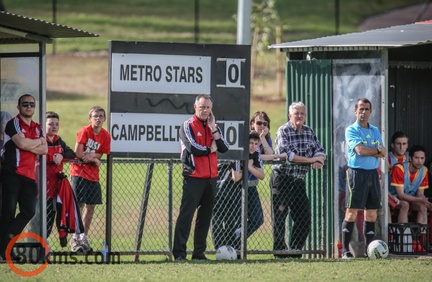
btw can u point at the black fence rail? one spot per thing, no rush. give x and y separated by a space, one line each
141 200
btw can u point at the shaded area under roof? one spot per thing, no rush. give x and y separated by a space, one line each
20 29
391 37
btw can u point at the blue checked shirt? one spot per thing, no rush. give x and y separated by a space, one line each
303 143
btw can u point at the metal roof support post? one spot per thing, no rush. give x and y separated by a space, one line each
244 12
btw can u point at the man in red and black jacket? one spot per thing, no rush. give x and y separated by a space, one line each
23 143
200 138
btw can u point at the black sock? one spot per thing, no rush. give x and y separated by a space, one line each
347 230
369 232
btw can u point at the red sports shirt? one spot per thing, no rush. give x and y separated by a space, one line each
23 161
100 143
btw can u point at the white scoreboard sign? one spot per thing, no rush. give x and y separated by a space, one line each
153 88
149 73
158 133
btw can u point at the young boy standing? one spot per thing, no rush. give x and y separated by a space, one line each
58 152
226 221
92 142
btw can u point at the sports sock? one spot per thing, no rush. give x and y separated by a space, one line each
347 230
369 231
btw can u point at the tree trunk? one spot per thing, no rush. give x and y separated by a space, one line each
279 68
2 6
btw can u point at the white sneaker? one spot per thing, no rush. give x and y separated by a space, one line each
75 245
85 244
347 255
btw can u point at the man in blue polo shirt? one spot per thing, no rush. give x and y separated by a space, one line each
364 144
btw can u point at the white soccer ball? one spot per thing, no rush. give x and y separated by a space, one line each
226 253
377 249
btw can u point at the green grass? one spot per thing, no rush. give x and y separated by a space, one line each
74 115
253 270
173 20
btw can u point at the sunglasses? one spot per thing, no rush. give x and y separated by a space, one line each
261 123
28 104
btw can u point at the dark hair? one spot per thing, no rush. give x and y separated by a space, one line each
398 134
25 95
254 135
205 96
52 115
417 148
364 100
264 116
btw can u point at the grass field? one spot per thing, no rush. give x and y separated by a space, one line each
76 84
173 20
253 270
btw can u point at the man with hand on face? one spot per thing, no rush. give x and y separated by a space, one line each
200 138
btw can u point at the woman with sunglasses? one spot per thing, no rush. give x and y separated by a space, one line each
260 122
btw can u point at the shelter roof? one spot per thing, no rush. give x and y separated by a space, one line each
390 37
15 28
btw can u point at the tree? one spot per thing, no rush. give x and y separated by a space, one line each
266 26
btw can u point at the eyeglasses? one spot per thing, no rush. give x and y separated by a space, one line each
99 116
265 123
28 104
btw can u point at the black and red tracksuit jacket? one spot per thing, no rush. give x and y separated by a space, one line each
58 146
195 141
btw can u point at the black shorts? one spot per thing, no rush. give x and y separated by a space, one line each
364 189
87 192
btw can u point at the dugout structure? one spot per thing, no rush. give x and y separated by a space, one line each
23 43
389 66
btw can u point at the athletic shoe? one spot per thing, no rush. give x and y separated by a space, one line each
347 255
85 244
181 259
76 245
199 257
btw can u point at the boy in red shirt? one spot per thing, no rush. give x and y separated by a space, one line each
58 152
92 142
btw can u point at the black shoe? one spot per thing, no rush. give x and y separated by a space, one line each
63 241
288 256
199 257
181 259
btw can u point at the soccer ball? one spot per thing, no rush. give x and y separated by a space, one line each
377 249
226 253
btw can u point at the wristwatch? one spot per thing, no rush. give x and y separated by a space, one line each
379 150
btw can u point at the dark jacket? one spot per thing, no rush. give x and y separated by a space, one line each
195 141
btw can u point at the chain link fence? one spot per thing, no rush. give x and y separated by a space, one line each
141 200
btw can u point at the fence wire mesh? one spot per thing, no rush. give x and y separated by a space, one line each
145 198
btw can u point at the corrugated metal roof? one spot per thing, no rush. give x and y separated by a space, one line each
15 28
391 37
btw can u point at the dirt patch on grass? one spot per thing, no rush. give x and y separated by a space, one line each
77 75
